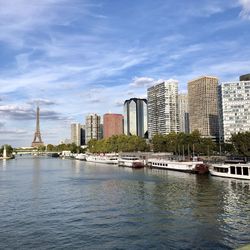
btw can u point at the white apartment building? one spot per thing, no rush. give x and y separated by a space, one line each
183 113
93 128
76 133
235 102
163 108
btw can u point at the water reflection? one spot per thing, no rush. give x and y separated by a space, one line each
54 203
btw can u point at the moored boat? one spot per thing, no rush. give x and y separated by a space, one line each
130 161
196 167
233 170
106 159
81 157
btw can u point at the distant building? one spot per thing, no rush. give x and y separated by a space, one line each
112 125
135 117
245 77
183 113
203 106
163 108
83 135
92 127
235 101
76 133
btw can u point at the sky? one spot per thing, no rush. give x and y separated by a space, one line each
75 57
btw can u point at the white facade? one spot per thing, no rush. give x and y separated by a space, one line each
76 133
235 101
183 112
92 127
163 108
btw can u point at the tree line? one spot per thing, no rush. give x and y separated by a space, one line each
177 143
118 143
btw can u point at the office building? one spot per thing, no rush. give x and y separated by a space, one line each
83 135
135 117
203 106
112 125
235 101
76 133
163 108
183 113
92 127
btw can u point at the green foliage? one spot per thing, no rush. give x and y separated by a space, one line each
241 143
9 150
181 142
65 147
118 143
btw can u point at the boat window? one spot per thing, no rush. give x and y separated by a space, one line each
238 170
245 171
232 169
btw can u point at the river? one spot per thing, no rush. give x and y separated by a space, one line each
50 203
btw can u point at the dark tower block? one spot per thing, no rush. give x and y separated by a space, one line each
245 77
37 136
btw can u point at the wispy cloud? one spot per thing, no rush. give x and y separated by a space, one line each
245 13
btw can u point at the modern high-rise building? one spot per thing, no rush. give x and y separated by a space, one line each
83 135
235 101
112 125
76 133
203 106
163 108
135 117
183 113
92 127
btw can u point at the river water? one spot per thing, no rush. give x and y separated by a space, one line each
48 203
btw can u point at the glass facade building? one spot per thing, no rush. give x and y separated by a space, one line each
135 117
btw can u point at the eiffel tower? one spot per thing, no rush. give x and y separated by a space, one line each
37 136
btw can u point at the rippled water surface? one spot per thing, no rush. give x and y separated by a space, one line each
67 204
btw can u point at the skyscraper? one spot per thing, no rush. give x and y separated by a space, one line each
163 108
235 101
135 117
203 106
92 127
112 125
183 112
76 133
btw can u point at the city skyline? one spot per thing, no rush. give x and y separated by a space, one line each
79 57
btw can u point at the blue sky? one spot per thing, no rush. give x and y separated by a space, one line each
75 57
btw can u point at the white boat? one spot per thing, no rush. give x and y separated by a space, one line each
184 166
81 157
231 170
105 159
130 161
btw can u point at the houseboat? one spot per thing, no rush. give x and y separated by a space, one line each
196 167
231 170
81 157
130 161
105 159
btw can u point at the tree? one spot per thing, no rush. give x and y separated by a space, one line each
9 149
241 143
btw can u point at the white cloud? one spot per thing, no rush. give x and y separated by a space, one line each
139 82
245 13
